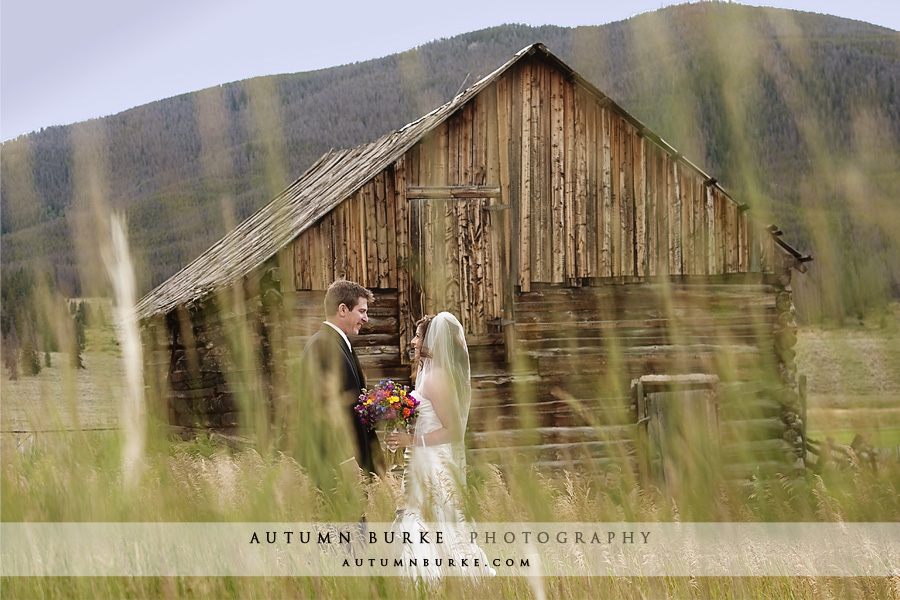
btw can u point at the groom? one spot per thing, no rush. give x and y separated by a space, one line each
328 356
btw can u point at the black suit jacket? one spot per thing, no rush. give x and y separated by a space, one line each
326 353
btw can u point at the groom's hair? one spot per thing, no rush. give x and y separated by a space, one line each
345 292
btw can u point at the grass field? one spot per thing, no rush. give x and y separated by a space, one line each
55 475
853 376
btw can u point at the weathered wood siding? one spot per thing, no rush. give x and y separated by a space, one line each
579 251
535 180
594 197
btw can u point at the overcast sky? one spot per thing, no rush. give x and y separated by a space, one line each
63 61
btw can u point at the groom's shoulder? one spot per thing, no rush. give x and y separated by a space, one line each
323 337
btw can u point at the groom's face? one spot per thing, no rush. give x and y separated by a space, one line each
351 320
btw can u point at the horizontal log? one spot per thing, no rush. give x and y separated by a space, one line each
379 352
555 452
212 404
748 430
551 435
415 192
756 451
361 343
746 471
638 338
543 319
192 393
189 380
591 466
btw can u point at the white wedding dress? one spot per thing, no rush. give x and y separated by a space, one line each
431 501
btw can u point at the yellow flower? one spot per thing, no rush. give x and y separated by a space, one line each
394 399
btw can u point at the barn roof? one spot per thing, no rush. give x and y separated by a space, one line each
327 183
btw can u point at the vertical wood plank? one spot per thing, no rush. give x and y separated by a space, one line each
449 213
315 257
731 241
640 218
482 288
481 146
328 262
453 155
490 119
663 207
699 231
606 193
652 216
744 245
545 235
298 259
466 144
571 268
402 245
524 227
677 254
359 230
339 242
558 174
390 195
710 231
514 140
369 244
350 224
580 177
540 221
627 205
462 268
504 272
445 154
616 190
412 166
431 267
383 265
722 226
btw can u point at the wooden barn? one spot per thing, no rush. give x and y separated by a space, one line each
616 299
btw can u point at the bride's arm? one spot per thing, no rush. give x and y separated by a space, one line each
437 391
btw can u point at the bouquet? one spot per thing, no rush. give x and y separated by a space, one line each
387 403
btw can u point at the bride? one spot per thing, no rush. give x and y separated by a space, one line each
434 476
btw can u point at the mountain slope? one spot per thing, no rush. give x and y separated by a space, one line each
795 113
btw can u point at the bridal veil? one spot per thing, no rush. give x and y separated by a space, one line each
446 363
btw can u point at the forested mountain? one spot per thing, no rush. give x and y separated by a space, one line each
795 113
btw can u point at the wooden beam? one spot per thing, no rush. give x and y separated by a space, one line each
451 192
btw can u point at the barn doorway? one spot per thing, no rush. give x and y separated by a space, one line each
678 426
458 257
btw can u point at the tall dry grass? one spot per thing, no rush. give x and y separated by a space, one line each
91 476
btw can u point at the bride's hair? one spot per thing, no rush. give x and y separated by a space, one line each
458 352
424 322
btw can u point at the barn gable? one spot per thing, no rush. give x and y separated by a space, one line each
581 252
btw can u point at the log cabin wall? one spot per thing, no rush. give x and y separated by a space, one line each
582 348
191 370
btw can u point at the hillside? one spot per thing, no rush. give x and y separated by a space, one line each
797 114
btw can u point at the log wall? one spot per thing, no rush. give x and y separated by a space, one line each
571 399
